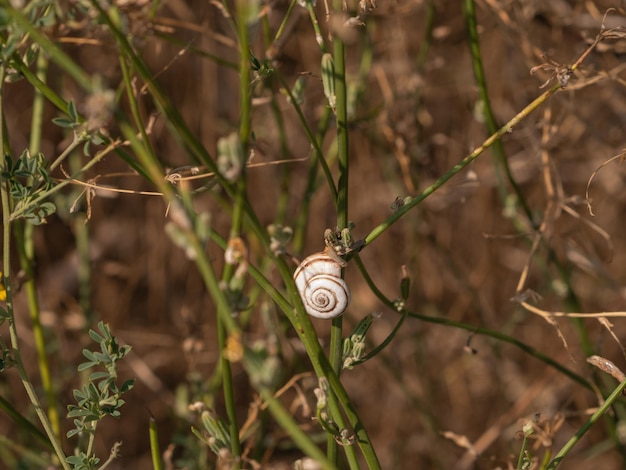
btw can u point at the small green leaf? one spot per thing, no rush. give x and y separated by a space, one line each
128 385
71 110
86 365
98 375
63 122
37 215
328 79
95 336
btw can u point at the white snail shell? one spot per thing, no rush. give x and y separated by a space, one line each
324 293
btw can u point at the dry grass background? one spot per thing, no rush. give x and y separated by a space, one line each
464 255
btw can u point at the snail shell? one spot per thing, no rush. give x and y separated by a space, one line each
324 293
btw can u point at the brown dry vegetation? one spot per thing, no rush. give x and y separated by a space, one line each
464 254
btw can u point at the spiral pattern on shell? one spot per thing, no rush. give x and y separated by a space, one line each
324 293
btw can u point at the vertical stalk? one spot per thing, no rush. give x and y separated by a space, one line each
303 215
157 463
24 238
341 110
6 268
501 165
243 10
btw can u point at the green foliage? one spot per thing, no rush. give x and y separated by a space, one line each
83 462
101 395
256 275
72 121
28 178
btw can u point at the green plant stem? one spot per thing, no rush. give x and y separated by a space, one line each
522 452
478 331
6 267
301 439
25 425
323 368
285 176
306 332
301 323
195 50
302 218
316 145
24 239
40 86
319 38
157 463
195 244
501 164
17 214
55 53
283 23
403 312
134 108
508 127
237 221
91 439
76 141
560 455
341 113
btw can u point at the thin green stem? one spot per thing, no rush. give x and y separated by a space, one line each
195 50
306 332
91 440
302 440
6 266
601 411
477 331
508 127
24 241
500 161
76 141
302 218
341 111
53 51
38 84
285 175
157 463
134 108
403 312
341 114
24 424
184 222
316 27
18 213
307 129
24 238
522 453
283 23
242 11
300 321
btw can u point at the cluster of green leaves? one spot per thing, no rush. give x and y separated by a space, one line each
100 396
28 177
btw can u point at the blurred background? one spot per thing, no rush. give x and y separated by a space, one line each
438 397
